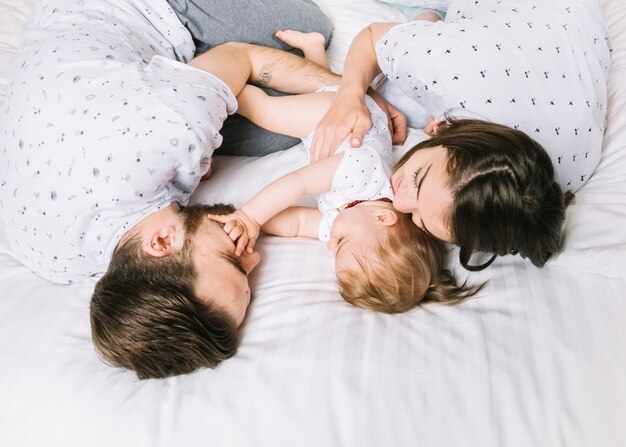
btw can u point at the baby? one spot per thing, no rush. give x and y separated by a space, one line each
383 262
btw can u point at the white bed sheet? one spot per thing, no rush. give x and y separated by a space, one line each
537 359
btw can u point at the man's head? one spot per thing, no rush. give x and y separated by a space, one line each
174 295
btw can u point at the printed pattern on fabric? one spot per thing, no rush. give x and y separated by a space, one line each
103 126
540 67
362 174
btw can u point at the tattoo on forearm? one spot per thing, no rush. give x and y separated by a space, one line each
265 76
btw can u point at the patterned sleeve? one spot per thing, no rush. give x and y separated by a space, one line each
203 102
439 65
202 99
414 57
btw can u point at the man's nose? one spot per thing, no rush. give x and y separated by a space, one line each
249 261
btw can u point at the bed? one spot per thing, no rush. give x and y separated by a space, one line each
538 358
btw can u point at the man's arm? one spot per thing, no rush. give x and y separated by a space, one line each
238 63
295 221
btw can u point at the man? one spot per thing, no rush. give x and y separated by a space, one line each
174 281
105 135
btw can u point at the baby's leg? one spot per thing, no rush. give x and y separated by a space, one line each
311 44
295 115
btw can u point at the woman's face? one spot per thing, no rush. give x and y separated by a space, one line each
420 188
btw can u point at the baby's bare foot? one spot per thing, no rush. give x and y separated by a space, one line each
302 41
311 44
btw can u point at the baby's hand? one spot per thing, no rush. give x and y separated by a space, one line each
241 229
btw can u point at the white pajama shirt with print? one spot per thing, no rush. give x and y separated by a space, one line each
537 66
104 125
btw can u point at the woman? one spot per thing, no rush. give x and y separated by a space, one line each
537 68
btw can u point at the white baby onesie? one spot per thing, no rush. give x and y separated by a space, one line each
362 174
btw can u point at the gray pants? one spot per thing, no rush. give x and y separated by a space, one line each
213 22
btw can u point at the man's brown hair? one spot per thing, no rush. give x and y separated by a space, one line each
145 315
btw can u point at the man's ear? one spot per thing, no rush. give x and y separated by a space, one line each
163 242
386 217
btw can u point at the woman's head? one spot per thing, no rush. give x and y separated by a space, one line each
485 187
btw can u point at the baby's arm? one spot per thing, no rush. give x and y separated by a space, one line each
295 221
295 115
243 225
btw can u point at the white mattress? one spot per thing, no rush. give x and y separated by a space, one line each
537 359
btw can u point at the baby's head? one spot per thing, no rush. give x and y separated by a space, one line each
385 263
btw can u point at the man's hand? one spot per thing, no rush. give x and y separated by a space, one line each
241 229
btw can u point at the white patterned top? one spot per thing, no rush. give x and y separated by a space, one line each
104 124
537 66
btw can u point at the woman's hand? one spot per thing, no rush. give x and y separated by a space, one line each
347 115
242 229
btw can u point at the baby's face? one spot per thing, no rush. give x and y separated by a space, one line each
355 234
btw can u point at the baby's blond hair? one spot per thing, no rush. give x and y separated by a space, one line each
409 270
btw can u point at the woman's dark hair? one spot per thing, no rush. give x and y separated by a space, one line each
506 199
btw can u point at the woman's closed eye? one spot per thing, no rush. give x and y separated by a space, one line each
415 175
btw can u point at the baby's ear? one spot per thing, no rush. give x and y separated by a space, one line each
386 217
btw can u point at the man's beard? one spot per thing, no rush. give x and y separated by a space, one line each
193 215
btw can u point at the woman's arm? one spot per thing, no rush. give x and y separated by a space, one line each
348 114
